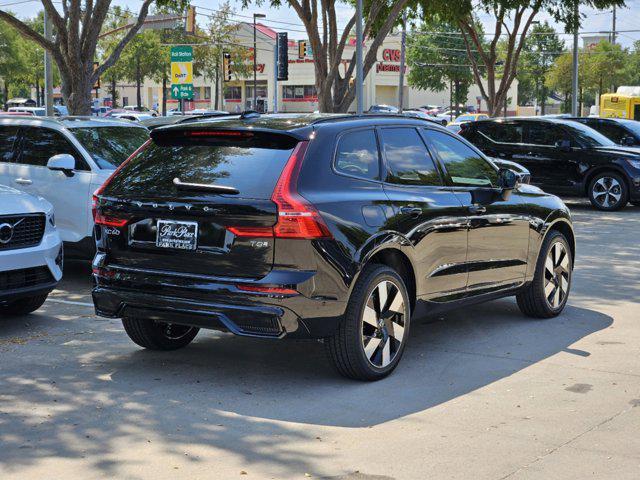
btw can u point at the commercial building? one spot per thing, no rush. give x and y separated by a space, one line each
298 93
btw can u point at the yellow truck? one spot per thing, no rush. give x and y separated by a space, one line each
625 103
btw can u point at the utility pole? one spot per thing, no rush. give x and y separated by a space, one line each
574 90
255 61
48 73
402 61
359 66
613 29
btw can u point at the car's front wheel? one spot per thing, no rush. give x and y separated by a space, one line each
546 296
372 336
23 306
608 191
158 335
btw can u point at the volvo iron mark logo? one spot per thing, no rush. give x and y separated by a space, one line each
6 231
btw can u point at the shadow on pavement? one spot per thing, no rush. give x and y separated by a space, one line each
225 392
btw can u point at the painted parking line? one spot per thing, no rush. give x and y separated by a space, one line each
70 302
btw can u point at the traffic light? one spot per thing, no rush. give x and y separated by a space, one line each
283 56
302 49
190 23
226 67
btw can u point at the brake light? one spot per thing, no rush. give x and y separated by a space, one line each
101 219
297 218
266 289
217 133
98 192
251 231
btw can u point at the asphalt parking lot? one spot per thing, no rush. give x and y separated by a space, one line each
482 393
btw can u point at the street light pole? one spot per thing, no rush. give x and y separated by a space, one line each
255 61
403 49
574 89
359 66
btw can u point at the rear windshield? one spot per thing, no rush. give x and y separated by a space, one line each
252 170
110 146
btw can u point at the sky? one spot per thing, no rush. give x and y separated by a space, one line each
284 19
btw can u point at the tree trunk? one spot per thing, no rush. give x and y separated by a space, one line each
37 85
138 83
76 89
164 95
543 108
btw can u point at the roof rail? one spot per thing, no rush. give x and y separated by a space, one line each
351 116
249 114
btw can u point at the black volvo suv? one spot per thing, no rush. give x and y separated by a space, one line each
339 228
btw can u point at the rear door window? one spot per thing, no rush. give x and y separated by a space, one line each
544 134
464 165
500 132
407 157
8 136
253 170
357 154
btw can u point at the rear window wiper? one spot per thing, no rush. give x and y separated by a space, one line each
206 187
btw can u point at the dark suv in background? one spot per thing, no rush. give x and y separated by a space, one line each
619 130
335 228
564 157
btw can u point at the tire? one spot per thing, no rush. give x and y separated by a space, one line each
608 191
538 299
23 306
366 346
157 335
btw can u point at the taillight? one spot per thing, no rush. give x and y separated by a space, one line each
297 218
251 231
96 194
274 290
101 219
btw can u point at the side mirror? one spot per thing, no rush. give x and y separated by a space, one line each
628 141
564 145
63 162
507 179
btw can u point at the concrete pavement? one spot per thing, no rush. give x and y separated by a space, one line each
481 393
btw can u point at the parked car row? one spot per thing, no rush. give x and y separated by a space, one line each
565 156
338 228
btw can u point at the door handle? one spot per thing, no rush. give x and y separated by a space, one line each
414 211
477 209
23 181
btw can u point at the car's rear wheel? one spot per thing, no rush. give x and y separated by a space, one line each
23 306
158 335
546 296
608 191
372 336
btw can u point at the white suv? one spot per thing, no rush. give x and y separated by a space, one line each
65 160
30 252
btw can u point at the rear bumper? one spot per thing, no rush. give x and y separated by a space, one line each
215 304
